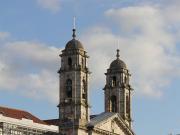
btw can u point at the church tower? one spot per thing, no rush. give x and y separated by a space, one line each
73 79
118 90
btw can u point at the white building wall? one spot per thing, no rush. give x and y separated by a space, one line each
28 124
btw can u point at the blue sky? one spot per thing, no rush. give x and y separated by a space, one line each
32 34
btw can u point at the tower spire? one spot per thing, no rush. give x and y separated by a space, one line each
74 28
117 55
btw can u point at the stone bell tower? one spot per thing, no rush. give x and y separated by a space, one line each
118 90
73 79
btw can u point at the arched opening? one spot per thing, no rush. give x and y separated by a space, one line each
127 105
126 79
84 89
82 62
69 62
113 81
113 104
69 88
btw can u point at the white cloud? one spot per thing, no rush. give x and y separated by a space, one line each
52 5
146 45
35 53
4 35
30 69
43 85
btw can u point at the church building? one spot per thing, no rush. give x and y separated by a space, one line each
74 109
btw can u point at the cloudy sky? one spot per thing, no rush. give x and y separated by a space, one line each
147 32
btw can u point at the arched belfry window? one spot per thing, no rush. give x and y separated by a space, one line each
125 79
82 62
127 105
69 62
69 88
84 89
113 104
113 81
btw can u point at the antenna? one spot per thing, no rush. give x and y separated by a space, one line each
117 55
74 28
74 22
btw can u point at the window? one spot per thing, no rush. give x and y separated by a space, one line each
114 81
69 62
69 88
127 106
82 62
126 79
84 89
113 104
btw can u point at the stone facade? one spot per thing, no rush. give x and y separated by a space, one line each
118 90
74 77
74 117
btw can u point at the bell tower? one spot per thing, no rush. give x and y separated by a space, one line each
73 79
118 90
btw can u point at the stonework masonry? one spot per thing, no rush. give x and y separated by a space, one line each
74 117
74 109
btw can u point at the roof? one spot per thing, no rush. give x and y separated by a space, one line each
52 122
92 116
103 117
117 64
19 114
74 44
100 118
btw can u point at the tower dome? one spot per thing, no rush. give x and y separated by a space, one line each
118 63
74 43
